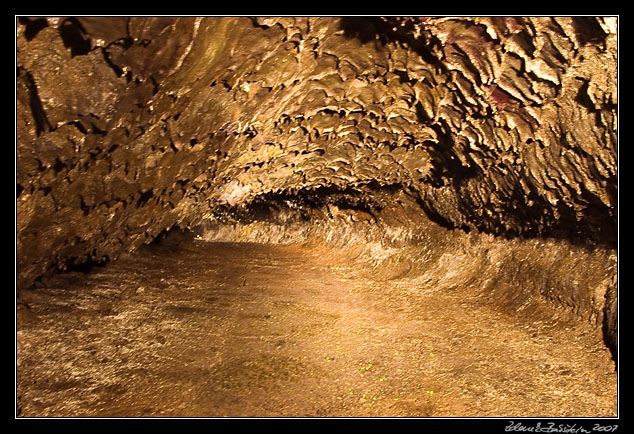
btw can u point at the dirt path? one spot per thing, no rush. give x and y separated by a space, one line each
212 329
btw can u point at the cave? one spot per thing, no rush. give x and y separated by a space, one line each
322 216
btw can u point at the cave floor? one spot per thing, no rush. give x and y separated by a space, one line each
245 330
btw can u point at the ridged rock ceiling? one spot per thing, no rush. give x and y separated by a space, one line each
127 127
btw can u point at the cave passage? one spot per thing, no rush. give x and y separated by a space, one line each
261 330
317 216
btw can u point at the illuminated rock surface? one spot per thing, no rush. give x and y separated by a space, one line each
441 186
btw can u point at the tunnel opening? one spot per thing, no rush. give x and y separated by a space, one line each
359 227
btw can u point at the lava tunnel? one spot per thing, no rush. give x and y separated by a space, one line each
316 216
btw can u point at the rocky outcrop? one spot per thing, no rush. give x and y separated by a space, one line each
127 127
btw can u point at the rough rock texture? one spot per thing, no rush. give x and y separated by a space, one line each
127 127
204 329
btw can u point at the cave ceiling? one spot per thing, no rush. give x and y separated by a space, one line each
127 127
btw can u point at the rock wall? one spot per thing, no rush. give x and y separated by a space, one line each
127 127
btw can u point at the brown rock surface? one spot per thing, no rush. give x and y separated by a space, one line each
261 330
335 131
